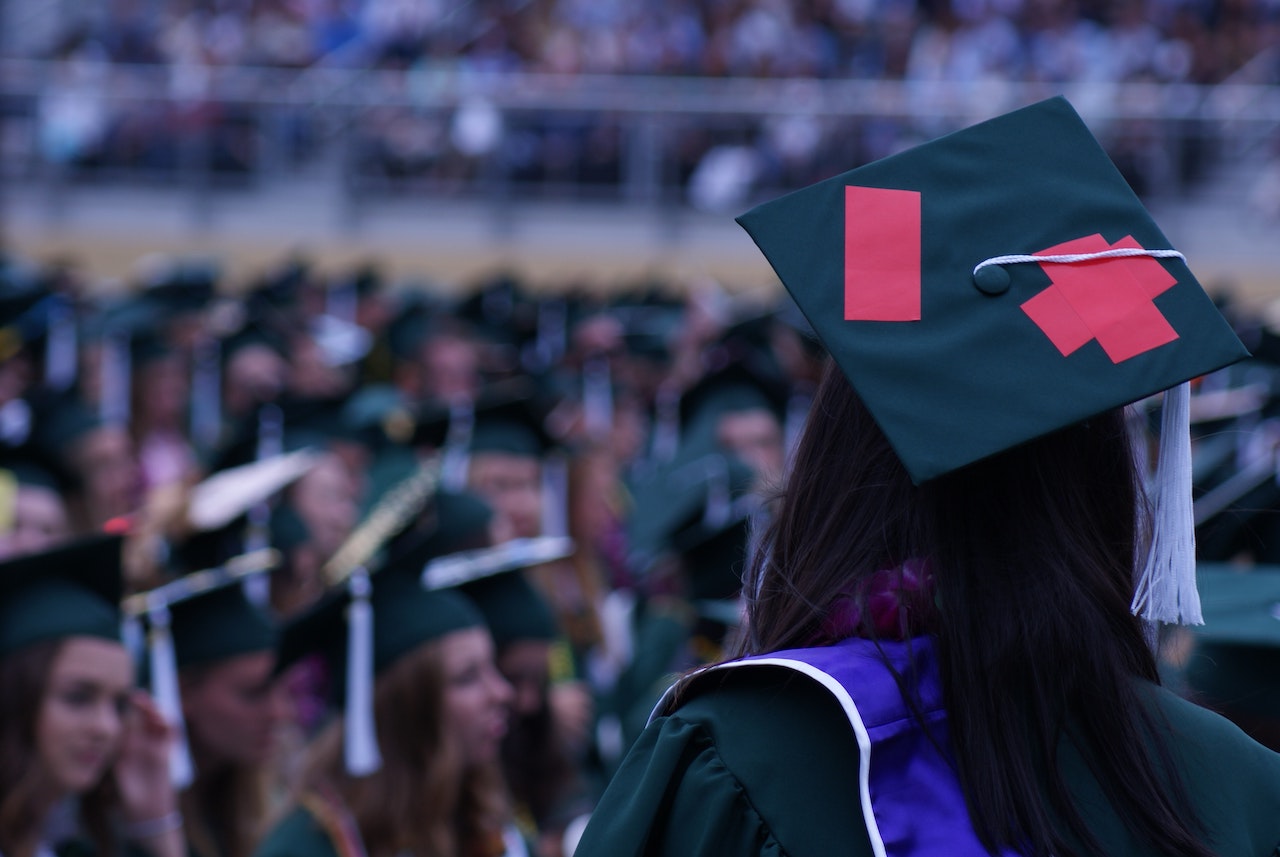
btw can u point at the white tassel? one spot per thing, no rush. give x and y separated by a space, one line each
168 698
555 496
360 740
1166 588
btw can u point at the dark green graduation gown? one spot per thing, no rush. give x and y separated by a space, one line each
297 835
765 763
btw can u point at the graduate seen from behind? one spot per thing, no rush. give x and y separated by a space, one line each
946 648
84 754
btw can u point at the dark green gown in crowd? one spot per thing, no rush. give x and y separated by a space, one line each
766 763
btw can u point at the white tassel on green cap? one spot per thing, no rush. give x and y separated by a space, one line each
360 739
164 687
1166 587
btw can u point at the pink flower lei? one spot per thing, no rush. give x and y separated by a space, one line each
892 604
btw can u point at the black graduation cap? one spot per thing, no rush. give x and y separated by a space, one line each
1007 278
32 464
511 423
59 421
921 273
493 577
201 618
300 421
736 387
15 303
72 590
711 535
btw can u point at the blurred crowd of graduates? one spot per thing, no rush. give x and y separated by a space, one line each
646 426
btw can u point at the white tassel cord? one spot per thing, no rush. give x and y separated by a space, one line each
164 687
360 738
1166 587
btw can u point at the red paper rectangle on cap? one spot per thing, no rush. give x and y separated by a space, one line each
881 254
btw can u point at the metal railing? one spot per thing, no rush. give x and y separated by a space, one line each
441 130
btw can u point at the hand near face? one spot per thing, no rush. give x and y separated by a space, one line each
142 768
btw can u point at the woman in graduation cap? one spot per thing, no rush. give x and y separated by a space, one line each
228 697
946 648
413 765
543 757
83 753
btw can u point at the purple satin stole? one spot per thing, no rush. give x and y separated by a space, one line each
910 794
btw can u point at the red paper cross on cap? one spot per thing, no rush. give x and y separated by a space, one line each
1109 300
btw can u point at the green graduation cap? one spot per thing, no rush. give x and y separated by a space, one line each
712 535
924 275
200 618
71 591
997 284
735 388
1235 664
377 610
493 578
362 629
510 420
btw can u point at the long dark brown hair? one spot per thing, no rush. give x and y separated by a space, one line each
225 810
24 681
1032 553
424 801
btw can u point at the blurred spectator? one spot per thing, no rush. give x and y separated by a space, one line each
414 45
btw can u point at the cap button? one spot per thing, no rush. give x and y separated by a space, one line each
992 280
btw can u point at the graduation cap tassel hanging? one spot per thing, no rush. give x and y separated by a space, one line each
1166 587
164 687
555 494
456 460
206 394
360 744
257 587
597 397
60 347
114 404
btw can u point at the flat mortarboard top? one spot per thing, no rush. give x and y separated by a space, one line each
405 616
395 539
71 591
735 388
957 365
493 578
712 533
510 420
210 616
32 465
508 416
1236 661
456 521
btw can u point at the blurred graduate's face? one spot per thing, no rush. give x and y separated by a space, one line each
756 438
512 485
477 699
526 665
109 472
82 714
233 710
326 500
452 368
39 522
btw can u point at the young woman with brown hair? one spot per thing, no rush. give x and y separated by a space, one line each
439 711
231 702
941 652
84 756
